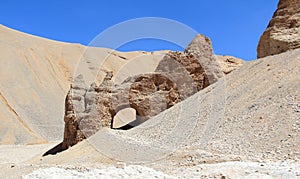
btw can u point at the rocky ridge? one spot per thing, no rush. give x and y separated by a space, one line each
283 31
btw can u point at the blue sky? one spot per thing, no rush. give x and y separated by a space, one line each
234 26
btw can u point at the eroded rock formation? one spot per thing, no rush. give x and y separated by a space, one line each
178 76
201 48
229 63
185 71
283 31
88 109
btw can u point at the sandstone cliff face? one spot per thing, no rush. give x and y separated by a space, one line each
177 76
283 31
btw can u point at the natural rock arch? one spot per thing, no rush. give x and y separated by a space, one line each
178 76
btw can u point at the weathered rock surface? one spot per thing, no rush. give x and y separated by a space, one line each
201 48
283 31
177 76
78 111
185 70
88 109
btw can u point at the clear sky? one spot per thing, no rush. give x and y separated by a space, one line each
234 26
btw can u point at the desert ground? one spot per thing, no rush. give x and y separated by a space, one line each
244 124
255 135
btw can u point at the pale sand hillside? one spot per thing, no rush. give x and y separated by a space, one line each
35 75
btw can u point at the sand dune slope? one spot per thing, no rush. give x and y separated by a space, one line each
34 78
35 74
253 112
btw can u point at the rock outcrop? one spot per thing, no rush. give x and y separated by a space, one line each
283 31
201 48
177 76
88 109
185 71
229 63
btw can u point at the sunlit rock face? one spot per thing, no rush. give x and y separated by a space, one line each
283 31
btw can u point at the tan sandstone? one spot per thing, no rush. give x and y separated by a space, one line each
283 31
